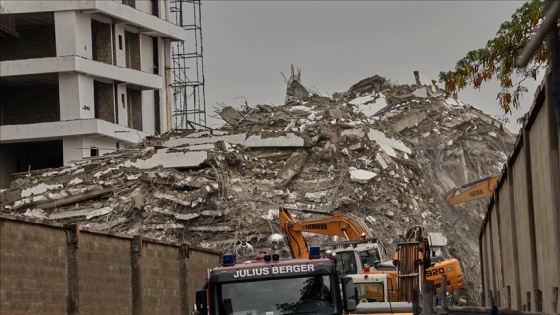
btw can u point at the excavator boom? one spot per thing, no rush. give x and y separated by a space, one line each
336 223
471 191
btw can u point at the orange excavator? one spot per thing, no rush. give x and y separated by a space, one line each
412 262
481 188
335 223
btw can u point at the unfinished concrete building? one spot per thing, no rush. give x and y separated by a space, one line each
81 78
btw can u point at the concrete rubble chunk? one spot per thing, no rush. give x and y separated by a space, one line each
230 115
39 189
293 165
409 121
187 217
361 176
386 142
381 160
170 160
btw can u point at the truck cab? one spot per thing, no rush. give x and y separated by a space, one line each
273 286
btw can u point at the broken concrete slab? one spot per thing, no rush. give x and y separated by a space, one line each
252 141
360 146
422 92
164 226
99 212
356 133
287 141
409 121
381 160
293 165
230 115
186 217
170 160
361 176
382 139
215 228
39 189
87 213
274 156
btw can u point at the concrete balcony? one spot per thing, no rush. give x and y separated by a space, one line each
96 69
57 130
118 12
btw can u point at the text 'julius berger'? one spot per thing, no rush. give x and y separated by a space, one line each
263 271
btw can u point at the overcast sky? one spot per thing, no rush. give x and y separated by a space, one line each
248 44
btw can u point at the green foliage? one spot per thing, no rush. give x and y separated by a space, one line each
498 58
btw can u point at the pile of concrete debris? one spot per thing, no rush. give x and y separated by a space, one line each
382 151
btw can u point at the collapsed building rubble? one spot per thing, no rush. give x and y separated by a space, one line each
383 151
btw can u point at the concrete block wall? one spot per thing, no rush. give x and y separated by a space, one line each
160 283
199 260
51 268
29 104
33 268
33 43
520 236
104 274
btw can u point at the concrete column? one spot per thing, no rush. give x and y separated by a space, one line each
183 277
76 96
166 102
148 112
120 46
70 149
122 103
73 34
136 277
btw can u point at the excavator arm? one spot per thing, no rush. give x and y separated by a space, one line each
471 191
336 223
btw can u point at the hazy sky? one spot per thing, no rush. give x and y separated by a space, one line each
248 44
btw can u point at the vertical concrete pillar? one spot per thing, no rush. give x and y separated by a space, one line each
71 149
166 108
73 240
513 228
148 112
136 247
183 278
122 104
119 44
76 96
73 34
532 234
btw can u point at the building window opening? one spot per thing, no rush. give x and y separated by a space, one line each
93 151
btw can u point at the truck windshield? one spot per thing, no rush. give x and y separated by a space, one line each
303 295
369 292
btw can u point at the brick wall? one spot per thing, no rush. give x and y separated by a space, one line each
135 109
32 269
101 42
50 268
30 104
34 43
132 47
104 101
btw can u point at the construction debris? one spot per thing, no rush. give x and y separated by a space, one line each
382 151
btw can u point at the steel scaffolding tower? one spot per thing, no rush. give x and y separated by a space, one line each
189 99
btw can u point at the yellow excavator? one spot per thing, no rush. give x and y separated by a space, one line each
412 262
481 188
